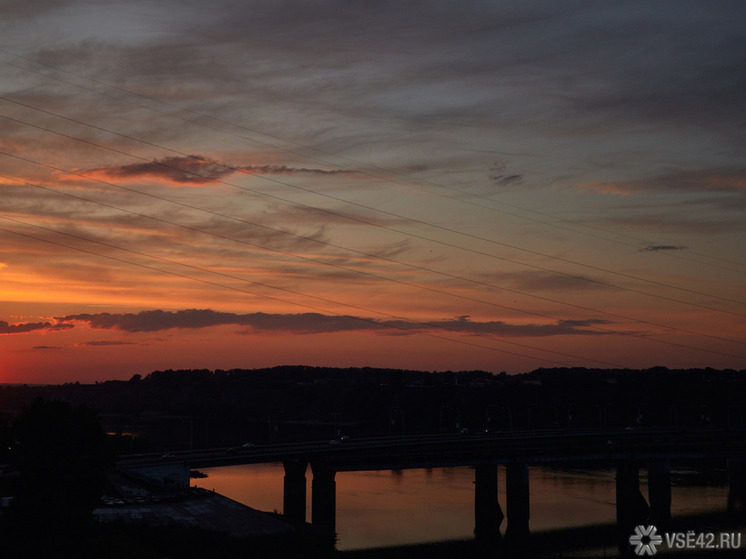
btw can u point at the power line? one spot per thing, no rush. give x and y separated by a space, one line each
409 284
458 197
378 225
294 292
372 224
189 206
211 212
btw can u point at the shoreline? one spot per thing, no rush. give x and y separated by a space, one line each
578 542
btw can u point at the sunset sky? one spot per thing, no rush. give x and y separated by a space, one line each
429 185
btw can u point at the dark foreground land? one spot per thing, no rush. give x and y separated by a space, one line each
58 444
135 541
594 542
172 410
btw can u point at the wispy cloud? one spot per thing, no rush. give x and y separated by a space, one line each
674 221
678 182
470 118
534 280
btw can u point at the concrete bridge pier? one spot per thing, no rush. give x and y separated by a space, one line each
487 512
737 485
631 507
659 493
294 494
518 505
323 499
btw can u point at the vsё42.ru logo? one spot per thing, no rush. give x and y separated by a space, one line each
646 540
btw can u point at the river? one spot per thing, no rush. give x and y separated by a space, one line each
383 508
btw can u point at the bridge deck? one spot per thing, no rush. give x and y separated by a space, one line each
529 447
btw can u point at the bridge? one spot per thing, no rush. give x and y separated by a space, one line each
628 450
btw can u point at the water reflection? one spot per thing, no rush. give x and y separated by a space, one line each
380 508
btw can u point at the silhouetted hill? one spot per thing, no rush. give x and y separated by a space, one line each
199 408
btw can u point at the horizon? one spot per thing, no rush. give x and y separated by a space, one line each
425 187
141 376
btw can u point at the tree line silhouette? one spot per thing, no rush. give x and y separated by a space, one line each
179 409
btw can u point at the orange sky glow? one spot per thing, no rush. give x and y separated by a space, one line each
469 187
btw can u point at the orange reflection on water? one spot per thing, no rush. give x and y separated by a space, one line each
379 508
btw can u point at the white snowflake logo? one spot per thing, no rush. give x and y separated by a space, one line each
645 539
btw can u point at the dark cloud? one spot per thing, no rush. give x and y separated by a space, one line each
500 176
284 170
315 323
46 347
152 321
505 180
196 170
97 343
658 248
22 328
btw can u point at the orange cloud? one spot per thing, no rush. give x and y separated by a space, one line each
698 181
620 188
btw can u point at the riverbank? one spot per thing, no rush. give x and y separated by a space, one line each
587 542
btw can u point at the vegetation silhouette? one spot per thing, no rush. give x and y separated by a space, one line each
60 448
61 454
182 409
